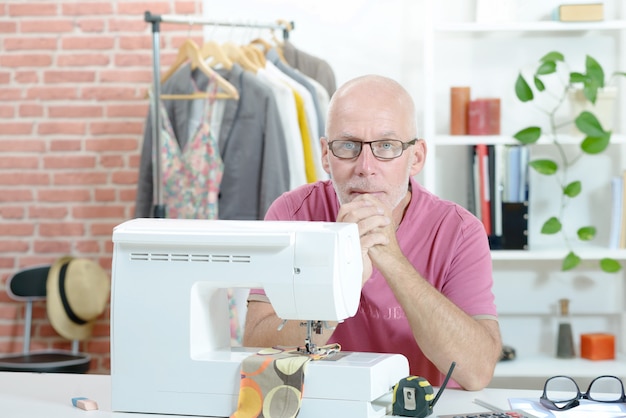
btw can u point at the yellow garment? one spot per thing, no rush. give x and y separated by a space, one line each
309 163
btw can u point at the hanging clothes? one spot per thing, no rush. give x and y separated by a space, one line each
191 175
251 144
315 67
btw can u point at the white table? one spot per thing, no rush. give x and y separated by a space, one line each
41 395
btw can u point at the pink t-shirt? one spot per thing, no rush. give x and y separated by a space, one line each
445 243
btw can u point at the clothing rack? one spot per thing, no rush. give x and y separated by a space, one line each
156 20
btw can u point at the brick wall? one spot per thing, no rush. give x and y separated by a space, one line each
73 78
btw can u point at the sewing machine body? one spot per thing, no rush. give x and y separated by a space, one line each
170 331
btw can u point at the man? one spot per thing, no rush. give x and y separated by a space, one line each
427 267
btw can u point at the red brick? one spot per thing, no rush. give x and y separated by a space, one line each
124 177
26 77
99 128
90 25
69 161
187 8
10 94
93 212
17 229
20 44
47 212
47 26
111 161
13 196
87 247
7 111
25 60
13 246
66 195
73 128
30 110
66 145
137 8
138 110
102 229
8 27
128 76
32 9
16 128
129 25
86 9
21 178
109 93
64 76
111 144
105 195
23 145
83 60
75 111
52 93
88 43
18 162
61 229
133 60
9 212
80 177
47 247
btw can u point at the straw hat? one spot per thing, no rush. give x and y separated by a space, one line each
77 293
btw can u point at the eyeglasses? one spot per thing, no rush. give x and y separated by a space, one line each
384 149
561 393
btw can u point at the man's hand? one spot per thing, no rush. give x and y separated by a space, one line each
375 226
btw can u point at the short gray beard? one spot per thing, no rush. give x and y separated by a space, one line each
392 200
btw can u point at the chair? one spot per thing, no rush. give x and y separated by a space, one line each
29 285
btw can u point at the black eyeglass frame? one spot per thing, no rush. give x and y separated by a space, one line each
574 402
405 145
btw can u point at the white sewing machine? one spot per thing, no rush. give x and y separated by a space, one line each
170 330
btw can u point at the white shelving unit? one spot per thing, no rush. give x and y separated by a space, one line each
527 284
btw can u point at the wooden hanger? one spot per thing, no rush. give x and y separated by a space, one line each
189 51
213 50
255 55
235 53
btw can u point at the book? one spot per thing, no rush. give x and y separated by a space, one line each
584 12
616 212
482 155
622 235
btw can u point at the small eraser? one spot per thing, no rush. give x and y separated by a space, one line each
85 404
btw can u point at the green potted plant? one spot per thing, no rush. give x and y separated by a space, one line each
595 138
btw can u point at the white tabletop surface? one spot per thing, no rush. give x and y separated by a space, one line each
41 395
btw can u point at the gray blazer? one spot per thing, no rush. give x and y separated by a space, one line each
316 68
251 144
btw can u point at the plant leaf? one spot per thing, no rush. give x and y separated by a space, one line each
553 56
586 233
528 135
551 226
573 189
609 265
547 67
570 261
546 167
588 124
594 71
523 90
577 77
594 145
539 84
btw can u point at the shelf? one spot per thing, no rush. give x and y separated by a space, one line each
557 255
542 26
547 366
456 140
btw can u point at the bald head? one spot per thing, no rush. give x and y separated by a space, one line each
376 91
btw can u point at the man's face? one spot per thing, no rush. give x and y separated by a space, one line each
369 117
